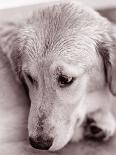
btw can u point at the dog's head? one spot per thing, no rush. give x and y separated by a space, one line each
62 53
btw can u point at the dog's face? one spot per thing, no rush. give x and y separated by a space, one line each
55 54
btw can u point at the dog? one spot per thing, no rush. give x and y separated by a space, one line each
65 55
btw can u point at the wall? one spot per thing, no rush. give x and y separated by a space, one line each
94 3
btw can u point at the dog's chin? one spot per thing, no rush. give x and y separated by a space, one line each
61 140
58 145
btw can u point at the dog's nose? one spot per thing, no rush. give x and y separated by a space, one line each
41 142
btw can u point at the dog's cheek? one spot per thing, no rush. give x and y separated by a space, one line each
32 121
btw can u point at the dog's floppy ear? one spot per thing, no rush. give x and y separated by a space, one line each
16 62
16 59
107 50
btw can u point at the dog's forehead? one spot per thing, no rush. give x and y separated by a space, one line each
60 31
70 48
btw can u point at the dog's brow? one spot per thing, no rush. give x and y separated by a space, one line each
67 69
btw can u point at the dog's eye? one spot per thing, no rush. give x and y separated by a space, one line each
65 81
30 79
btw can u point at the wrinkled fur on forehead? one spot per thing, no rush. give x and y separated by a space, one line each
58 29
59 26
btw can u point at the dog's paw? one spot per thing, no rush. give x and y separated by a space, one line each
100 129
96 133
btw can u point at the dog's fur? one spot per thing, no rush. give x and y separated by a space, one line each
72 40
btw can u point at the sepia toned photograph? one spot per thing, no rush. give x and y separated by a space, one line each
57 77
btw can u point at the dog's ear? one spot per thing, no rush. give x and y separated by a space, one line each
107 50
16 61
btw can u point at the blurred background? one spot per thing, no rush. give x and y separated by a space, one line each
18 9
94 3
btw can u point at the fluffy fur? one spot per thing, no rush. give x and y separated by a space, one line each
73 40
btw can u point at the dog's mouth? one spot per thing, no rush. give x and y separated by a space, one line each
50 143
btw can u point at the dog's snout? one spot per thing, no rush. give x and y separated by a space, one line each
41 142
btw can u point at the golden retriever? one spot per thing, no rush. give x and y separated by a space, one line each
65 55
